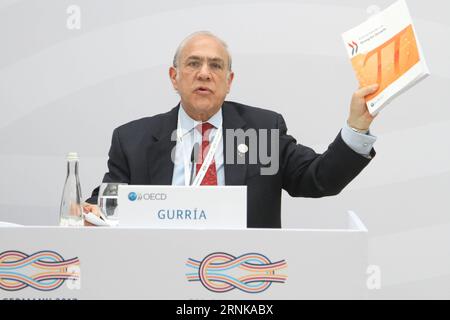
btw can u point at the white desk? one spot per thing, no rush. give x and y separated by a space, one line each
143 263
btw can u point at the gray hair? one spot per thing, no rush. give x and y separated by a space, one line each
176 57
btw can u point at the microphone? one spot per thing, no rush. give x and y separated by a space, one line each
194 160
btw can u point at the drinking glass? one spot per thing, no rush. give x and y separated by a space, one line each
108 200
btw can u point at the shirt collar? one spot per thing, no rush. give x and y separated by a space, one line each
187 123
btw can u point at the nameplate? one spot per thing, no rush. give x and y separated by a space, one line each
203 207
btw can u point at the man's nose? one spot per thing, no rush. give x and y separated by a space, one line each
204 73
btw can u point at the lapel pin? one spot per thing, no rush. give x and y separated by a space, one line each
242 148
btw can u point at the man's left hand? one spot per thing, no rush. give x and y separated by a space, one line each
360 117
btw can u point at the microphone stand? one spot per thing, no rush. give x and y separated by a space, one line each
194 156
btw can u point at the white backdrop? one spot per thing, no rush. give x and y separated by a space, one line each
65 89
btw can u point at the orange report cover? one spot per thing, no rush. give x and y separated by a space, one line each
385 50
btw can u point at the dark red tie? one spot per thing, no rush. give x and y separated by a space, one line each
210 178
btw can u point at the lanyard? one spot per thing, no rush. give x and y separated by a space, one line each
206 161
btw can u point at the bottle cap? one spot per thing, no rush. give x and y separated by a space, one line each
72 156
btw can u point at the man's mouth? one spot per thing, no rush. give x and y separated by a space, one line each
203 90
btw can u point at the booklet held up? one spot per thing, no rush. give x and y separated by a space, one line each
384 50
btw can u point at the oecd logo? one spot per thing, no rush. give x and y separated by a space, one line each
132 196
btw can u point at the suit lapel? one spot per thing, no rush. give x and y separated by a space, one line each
159 153
234 173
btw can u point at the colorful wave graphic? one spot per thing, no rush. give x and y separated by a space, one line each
18 270
222 272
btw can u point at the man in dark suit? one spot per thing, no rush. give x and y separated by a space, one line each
154 150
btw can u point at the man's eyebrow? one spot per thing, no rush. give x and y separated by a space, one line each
194 58
215 59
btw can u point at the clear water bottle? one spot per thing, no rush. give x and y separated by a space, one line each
70 213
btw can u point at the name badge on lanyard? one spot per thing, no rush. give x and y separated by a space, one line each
206 162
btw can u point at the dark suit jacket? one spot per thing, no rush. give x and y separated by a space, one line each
140 154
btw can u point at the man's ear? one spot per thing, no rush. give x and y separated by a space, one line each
173 77
230 80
